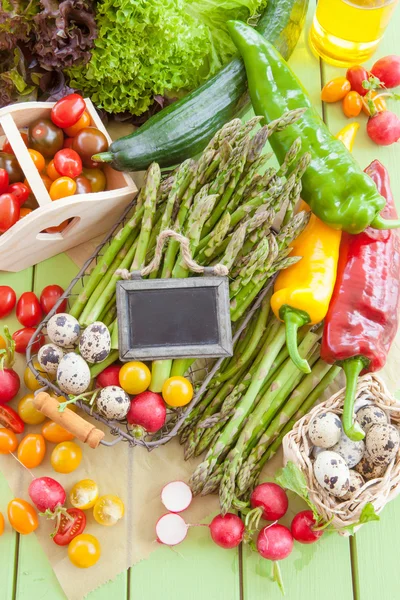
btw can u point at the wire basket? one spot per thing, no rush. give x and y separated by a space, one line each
200 373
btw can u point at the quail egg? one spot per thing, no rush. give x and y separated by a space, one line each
113 402
49 357
382 443
332 473
356 483
352 452
368 470
370 415
325 430
73 374
63 330
95 342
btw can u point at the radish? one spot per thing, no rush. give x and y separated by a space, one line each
387 70
110 376
274 542
171 529
227 531
384 128
272 499
148 411
46 494
9 384
176 496
303 528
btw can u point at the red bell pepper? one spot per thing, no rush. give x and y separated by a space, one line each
362 319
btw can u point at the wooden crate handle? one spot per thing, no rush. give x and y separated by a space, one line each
83 430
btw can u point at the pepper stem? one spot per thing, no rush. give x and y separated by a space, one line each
294 319
381 223
352 368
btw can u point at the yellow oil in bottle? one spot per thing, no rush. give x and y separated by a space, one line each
347 32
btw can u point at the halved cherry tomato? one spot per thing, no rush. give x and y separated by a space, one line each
8 441
70 527
30 380
68 142
20 191
379 103
29 312
52 171
28 412
66 457
31 450
54 433
10 419
8 300
3 343
68 110
9 211
11 165
1 524
83 185
84 551
177 391
4 181
47 181
108 510
83 122
7 146
62 187
45 137
38 159
352 104
23 212
335 89
49 296
97 179
356 75
68 163
22 516
87 142
134 377
84 494
22 338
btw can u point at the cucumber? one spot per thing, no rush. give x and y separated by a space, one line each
184 128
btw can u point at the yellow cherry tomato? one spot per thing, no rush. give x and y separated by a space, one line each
52 171
31 450
22 516
177 391
84 494
108 510
55 433
3 344
30 380
352 104
335 90
97 179
1 524
84 551
23 212
83 122
134 377
38 159
8 441
62 187
28 412
66 457
47 181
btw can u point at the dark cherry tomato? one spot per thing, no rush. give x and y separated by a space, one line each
68 529
356 75
83 185
49 296
8 299
7 146
9 211
29 312
68 163
11 165
68 142
4 181
67 111
20 191
11 419
87 142
22 338
45 137
97 179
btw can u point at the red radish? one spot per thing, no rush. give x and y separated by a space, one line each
387 70
303 528
171 529
176 496
274 542
110 376
227 531
384 128
272 499
9 384
356 75
148 410
46 494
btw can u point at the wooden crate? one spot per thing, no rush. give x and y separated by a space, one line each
27 243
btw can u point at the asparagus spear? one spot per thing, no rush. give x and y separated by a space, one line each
151 186
214 240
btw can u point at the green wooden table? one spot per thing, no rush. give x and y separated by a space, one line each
363 568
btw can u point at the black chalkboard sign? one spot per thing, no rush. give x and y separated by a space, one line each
174 318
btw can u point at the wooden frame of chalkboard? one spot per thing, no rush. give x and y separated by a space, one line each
174 318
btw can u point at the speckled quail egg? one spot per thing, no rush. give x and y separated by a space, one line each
49 357
356 483
95 342
332 473
368 470
352 452
73 374
325 430
382 443
63 330
113 402
370 415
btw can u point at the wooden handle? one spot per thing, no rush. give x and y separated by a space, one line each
83 430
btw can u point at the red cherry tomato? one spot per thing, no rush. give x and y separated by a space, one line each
356 75
4 181
49 296
7 300
7 146
69 528
11 419
68 163
20 191
67 111
29 312
9 211
22 338
83 185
